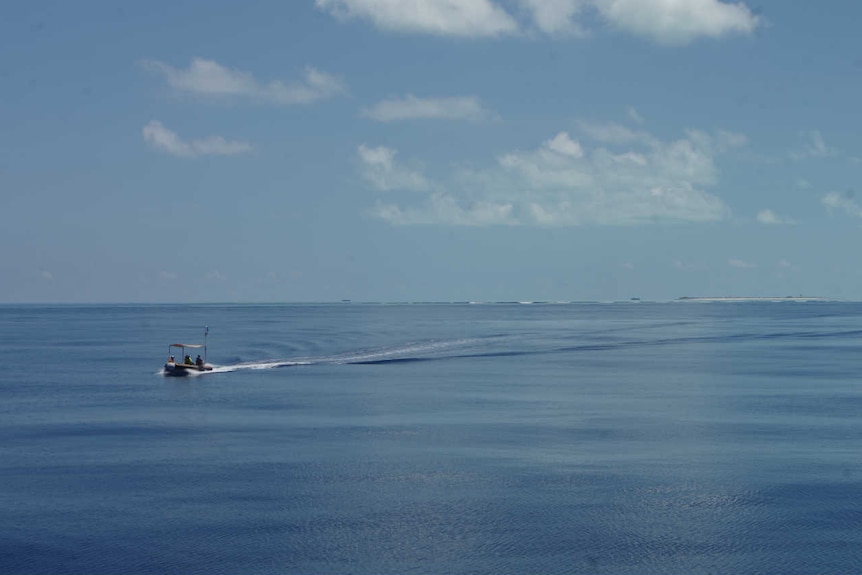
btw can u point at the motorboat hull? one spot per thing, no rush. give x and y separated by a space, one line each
184 369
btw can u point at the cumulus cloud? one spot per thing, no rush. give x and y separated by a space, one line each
678 21
410 108
769 217
843 202
464 18
380 169
671 22
564 183
209 78
556 17
161 138
563 144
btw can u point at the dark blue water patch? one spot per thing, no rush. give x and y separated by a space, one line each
27 554
74 431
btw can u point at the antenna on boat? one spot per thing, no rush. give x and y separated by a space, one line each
206 333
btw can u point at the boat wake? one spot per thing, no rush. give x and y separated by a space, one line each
414 351
523 344
269 364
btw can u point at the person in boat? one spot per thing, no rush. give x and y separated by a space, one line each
171 360
188 360
199 362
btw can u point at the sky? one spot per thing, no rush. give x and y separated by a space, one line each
429 150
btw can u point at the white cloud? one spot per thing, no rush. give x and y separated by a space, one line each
561 183
633 114
209 78
742 264
836 201
440 208
465 18
556 17
168 141
410 107
813 146
380 169
165 275
563 144
817 147
663 21
771 218
678 21
46 275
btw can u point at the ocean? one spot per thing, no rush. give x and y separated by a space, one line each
630 437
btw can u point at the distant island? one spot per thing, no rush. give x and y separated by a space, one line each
755 298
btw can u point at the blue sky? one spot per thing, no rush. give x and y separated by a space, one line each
429 150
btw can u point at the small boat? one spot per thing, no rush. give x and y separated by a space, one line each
186 364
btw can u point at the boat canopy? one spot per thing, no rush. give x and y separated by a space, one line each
189 345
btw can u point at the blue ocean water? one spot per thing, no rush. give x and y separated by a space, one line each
673 437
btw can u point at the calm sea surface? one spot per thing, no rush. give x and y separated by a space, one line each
446 438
